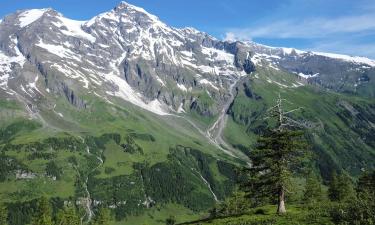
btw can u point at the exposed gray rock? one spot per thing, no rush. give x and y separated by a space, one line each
131 54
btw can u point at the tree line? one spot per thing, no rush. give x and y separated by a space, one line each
69 215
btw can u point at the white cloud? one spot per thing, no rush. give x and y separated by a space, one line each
230 36
307 28
346 47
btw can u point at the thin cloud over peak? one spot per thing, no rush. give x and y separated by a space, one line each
330 25
308 28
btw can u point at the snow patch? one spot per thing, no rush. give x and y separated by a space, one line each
180 108
7 61
59 51
353 59
182 87
128 94
187 53
71 73
32 85
307 76
207 82
74 28
277 83
218 55
160 80
30 16
290 51
103 45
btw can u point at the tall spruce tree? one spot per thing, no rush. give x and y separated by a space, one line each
313 189
67 216
43 214
360 210
278 150
3 215
366 183
102 217
333 188
341 187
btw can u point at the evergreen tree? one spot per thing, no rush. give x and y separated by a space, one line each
341 187
364 207
272 160
278 150
360 210
366 183
333 188
346 185
102 217
3 215
234 205
68 216
313 189
43 213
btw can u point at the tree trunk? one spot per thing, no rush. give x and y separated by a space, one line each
281 205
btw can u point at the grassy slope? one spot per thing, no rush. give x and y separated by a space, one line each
266 216
101 118
339 137
335 140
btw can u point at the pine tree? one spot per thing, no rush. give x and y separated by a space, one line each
102 217
366 183
313 189
347 187
341 187
3 215
68 216
360 210
43 213
278 151
333 188
234 205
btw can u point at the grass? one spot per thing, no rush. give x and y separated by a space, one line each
157 216
28 189
266 215
236 134
116 158
338 138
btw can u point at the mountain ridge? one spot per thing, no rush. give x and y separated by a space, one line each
77 28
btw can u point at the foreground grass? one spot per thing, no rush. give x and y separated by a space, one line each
296 215
158 215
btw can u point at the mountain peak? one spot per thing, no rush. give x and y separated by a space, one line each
125 7
27 17
127 12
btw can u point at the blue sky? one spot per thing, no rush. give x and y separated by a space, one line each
340 26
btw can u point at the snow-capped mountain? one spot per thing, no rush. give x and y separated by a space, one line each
334 71
131 54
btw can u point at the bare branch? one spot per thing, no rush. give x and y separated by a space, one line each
283 120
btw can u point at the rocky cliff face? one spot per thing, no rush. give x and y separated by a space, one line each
125 52
340 73
131 54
